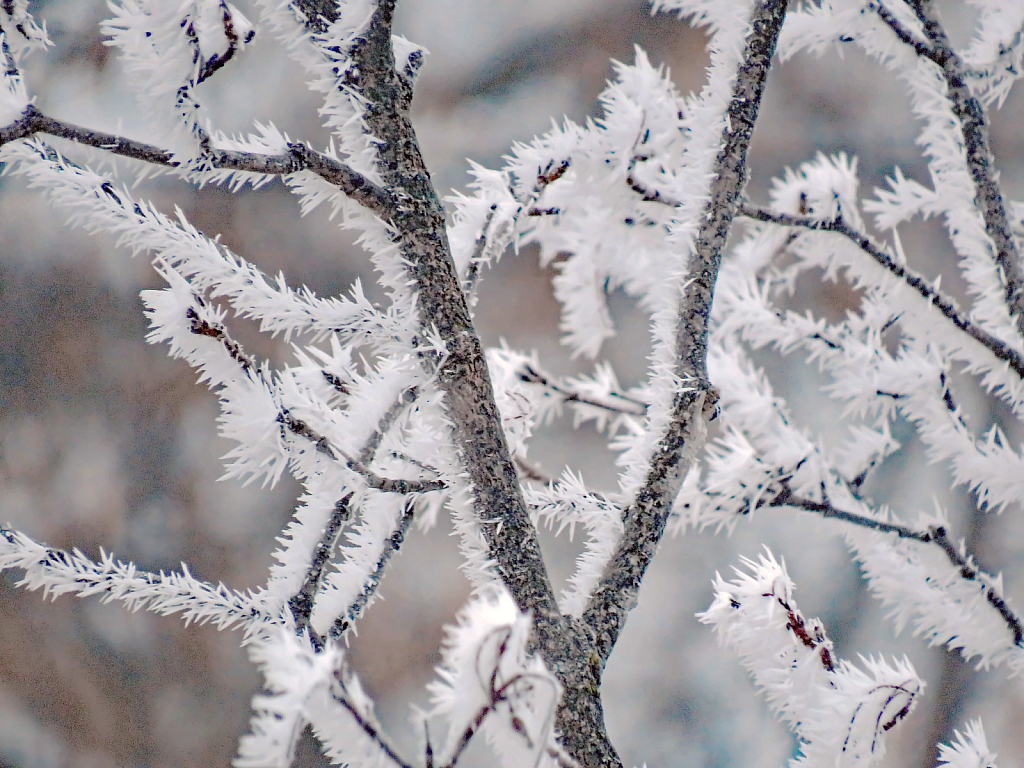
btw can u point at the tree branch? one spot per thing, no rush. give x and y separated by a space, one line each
980 161
936 536
391 546
619 404
405 399
943 303
298 158
420 230
373 480
301 604
645 519
369 728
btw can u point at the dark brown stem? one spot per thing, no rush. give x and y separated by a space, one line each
298 158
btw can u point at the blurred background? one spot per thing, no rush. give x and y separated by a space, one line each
106 442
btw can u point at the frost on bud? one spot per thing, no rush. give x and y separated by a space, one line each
488 682
840 713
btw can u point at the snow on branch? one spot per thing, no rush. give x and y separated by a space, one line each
840 713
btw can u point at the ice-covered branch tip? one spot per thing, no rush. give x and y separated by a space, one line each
980 161
57 572
840 713
931 294
299 157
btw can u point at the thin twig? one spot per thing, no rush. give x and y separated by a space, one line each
476 258
301 604
207 67
369 728
370 586
646 194
980 160
296 426
936 536
375 481
621 404
943 303
405 399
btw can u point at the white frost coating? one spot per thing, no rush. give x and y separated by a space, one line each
566 504
970 750
940 138
995 56
13 96
485 666
840 713
303 686
58 573
924 590
165 47
24 34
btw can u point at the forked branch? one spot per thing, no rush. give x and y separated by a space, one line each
973 125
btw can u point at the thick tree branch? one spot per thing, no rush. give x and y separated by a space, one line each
645 519
980 161
420 230
933 296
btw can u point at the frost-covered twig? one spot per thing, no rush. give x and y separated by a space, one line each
616 402
840 713
936 535
339 696
299 157
301 604
57 572
980 161
391 547
405 399
373 480
931 294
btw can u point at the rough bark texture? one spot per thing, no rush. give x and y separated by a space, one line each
645 519
419 222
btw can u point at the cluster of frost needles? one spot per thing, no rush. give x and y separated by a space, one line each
390 413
